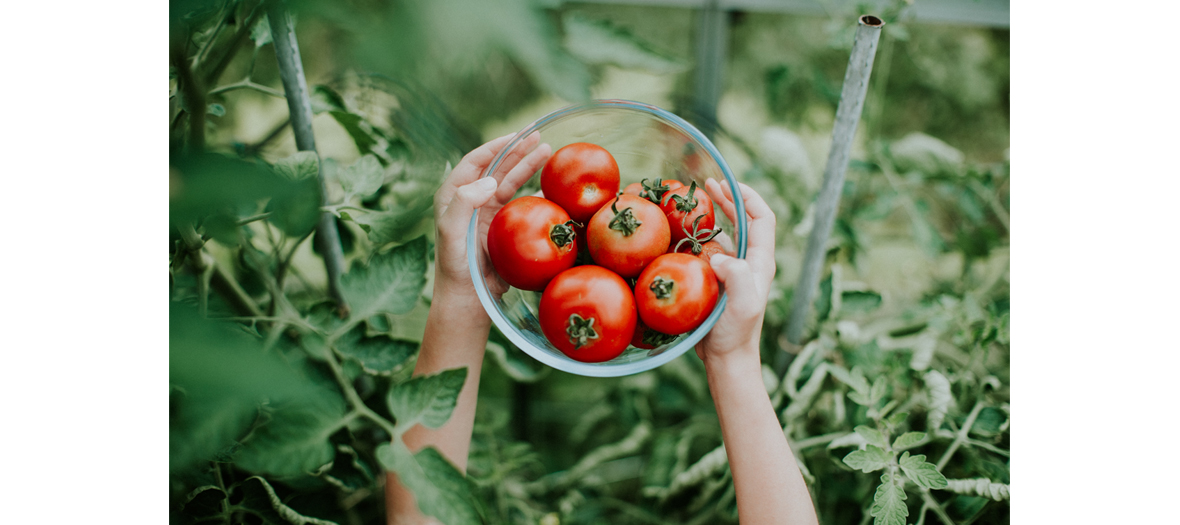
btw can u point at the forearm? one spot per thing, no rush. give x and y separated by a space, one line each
456 335
766 478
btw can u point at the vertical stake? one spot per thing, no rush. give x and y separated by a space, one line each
327 238
852 99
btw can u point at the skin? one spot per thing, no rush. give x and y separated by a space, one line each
768 484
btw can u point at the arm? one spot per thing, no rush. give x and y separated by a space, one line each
457 325
766 478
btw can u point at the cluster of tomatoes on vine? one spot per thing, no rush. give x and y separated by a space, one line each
614 267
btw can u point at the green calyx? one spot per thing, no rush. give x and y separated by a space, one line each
563 234
654 338
580 331
624 221
653 192
697 237
687 203
662 287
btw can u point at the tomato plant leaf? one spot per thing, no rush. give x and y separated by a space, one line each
920 472
259 499
298 166
872 436
391 283
908 439
851 439
889 506
363 178
349 471
939 399
878 391
377 355
296 209
428 399
295 440
439 489
602 42
515 363
872 458
324 98
351 122
260 33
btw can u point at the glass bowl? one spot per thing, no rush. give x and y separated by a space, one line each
647 142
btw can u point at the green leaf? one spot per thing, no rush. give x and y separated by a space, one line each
324 98
260 33
908 439
439 489
297 211
897 419
889 506
349 471
860 399
219 376
259 499
391 283
351 123
299 166
823 302
870 459
919 471
859 302
940 399
377 355
204 184
872 436
878 390
363 178
387 226
601 42
295 440
516 363
428 399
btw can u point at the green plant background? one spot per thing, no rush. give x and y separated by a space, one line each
281 411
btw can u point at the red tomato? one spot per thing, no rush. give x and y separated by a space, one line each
682 206
580 178
627 234
675 293
648 339
531 240
588 312
652 191
699 242
707 250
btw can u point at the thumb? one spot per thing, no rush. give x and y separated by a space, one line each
736 278
467 199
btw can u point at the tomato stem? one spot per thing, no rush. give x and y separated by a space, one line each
654 338
689 202
662 287
695 236
580 330
653 192
624 221
563 234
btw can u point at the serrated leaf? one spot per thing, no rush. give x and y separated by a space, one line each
859 398
516 364
872 436
428 399
388 226
260 33
295 440
897 419
377 355
872 458
601 42
922 473
351 122
259 499
939 395
324 98
908 439
297 210
363 178
889 506
878 390
298 166
219 375
391 283
438 488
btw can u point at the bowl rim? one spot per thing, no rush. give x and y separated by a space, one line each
604 369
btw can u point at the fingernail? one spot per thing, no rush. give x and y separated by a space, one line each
718 258
486 183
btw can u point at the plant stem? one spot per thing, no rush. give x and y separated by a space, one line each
354 399
852 98
282 30
194 99
247 84
929 501
252 218
961 436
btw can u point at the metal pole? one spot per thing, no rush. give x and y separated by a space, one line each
852 99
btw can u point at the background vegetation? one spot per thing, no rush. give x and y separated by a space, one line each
283 412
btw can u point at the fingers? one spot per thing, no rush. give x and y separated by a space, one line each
522 172
522 149
738 279
453 222
469 169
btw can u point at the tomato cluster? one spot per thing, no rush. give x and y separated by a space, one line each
647 278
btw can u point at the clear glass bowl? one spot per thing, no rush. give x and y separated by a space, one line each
647 142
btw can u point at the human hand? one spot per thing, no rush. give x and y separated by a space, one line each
462 192
746 282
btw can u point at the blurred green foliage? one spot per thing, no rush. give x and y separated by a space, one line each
280 408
